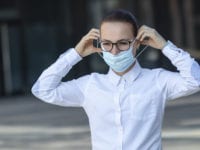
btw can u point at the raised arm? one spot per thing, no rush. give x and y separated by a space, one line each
49 86
187 80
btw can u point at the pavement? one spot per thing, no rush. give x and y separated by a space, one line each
26 123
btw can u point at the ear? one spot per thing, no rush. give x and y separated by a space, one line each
136 46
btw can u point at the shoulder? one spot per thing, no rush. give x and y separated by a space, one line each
147 71
97 76
92 77
158 73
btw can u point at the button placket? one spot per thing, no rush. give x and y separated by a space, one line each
118 112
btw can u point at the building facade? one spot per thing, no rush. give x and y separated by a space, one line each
33 33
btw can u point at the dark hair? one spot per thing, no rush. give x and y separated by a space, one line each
121 15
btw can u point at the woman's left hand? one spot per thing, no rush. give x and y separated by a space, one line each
149 36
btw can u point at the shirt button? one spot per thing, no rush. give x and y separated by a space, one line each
120 129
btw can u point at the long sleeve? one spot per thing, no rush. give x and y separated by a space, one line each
49 87
187 80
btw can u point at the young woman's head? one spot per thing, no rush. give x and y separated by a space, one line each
122 16
118 31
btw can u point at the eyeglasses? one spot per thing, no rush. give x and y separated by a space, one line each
121 45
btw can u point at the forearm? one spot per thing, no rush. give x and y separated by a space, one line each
188 68
51 78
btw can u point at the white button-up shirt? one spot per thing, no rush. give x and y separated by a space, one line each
125 112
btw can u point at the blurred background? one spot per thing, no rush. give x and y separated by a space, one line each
33 33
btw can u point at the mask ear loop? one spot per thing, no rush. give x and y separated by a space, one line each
141 51
100 54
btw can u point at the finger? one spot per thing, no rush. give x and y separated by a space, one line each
143 37
92 37
145 42
136 44
95 35
141 32
93 30
144 31
97 49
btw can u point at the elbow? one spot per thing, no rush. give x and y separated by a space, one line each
49 96
35 90
44 95
195 72
193 86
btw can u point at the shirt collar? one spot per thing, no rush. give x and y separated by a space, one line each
130 76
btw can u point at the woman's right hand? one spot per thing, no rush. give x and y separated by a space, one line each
85 46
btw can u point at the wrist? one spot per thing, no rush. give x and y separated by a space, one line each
79 51
164 44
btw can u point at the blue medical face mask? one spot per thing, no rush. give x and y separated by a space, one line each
120 62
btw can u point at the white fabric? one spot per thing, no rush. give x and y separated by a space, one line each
125 113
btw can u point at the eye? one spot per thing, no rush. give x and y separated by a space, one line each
106 43
123 43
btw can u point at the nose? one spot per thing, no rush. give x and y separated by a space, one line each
114 50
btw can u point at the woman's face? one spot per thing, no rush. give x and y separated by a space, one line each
116 31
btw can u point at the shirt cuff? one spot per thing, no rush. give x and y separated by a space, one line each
171 51
71 56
